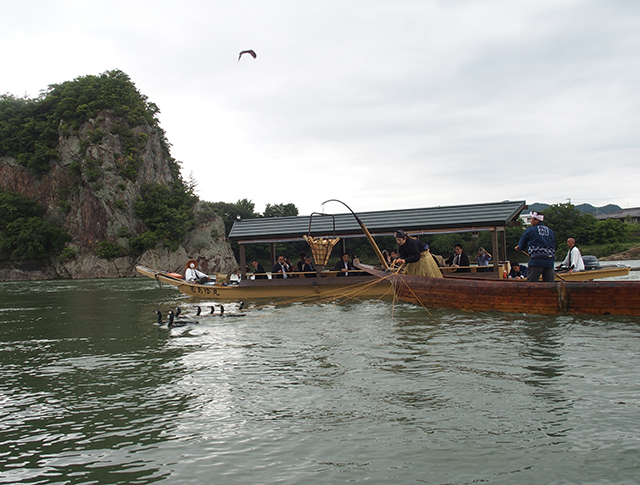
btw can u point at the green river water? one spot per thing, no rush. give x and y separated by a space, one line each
93 391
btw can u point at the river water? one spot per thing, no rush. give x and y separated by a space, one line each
93 391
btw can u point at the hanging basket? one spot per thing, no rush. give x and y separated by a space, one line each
321 248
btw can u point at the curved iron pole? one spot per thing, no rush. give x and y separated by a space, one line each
366 233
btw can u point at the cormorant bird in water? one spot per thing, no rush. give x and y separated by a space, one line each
180 323
210 314
223 314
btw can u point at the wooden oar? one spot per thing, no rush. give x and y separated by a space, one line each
366 233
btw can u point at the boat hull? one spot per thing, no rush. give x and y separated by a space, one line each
472 294
361 287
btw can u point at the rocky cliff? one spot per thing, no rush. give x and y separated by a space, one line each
91 189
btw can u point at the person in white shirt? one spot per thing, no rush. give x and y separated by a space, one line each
573 261
192 275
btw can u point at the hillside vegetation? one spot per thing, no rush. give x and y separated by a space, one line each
87 164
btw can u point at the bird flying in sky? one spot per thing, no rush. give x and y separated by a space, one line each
250 52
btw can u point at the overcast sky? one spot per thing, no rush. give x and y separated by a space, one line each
381 104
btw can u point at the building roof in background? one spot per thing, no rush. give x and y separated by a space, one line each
459 218
633 212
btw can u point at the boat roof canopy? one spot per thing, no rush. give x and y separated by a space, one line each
458 218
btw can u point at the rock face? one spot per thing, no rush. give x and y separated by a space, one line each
87 193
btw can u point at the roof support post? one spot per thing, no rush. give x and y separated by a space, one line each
273 254
494 250
243 262
503 243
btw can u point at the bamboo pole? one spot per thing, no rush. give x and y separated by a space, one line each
366 233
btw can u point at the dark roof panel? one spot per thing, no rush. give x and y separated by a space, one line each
431 219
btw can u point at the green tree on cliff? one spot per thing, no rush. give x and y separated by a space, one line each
30 128
24 233
167 212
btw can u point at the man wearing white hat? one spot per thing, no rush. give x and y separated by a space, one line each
192 275
539 241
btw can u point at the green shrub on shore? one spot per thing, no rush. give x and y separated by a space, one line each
109 251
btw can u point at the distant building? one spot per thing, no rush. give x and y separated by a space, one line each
526 219
625 215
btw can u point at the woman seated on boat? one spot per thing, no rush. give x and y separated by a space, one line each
192 275
416 256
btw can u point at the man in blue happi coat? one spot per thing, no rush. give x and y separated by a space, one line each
539 241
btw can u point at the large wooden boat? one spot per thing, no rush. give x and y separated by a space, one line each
326 287
475 294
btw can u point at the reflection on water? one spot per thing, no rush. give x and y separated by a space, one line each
93 391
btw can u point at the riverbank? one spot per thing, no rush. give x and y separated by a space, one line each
633 253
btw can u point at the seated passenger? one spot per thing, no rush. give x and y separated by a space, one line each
307 268
258 270
303 256
291 268
192 275
280 269
344 265
517 271
573 261
458 258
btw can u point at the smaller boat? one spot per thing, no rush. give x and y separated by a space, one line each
594 274
593 270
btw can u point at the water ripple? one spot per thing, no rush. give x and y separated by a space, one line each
96 393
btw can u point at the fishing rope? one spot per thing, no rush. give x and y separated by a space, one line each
413 293
331 296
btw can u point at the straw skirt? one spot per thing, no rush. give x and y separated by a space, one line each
426 266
